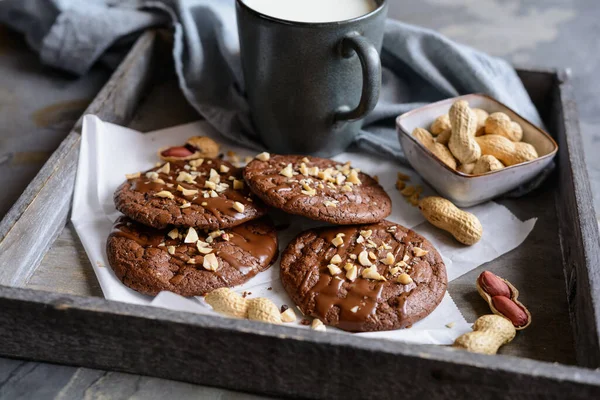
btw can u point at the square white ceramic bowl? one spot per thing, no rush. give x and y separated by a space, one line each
468 190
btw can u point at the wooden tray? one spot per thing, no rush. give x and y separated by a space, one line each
53 310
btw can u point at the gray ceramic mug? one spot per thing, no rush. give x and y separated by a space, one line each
309 85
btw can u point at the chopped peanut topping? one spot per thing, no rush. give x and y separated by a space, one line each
263 156
334 269
133 176
210 185
337 241
405 279
353 177
165 194
197 163
152 175
419 252
187 192
192 236
372 273
288 171
203 247
239 207
363 259
210 262
214 176
186 177
351 272
317 325
314 171
303 169
288 315
389 259
165 169
238 185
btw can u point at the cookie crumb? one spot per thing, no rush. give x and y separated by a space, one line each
403 177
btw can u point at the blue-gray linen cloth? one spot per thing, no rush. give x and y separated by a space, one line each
419 65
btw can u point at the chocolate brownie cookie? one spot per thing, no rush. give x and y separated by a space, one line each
202 193
364 278
187 261
318 188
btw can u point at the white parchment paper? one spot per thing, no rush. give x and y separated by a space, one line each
109 151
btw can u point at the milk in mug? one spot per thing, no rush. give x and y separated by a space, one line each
312 10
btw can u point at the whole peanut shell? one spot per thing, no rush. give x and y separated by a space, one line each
444 137
487 163
464 226
490 332
462 142
441 124
500 124
482 116
508 152
438 150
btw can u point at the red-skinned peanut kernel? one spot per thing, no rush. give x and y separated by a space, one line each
179 151
510 310
493 285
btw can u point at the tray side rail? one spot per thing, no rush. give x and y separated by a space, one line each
578 227
263 358
39 215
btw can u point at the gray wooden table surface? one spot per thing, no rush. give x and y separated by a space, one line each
38 106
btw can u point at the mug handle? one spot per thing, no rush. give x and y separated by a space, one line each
371 72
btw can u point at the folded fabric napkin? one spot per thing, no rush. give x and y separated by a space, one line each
419 66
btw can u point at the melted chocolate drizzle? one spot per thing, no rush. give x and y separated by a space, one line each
357 301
